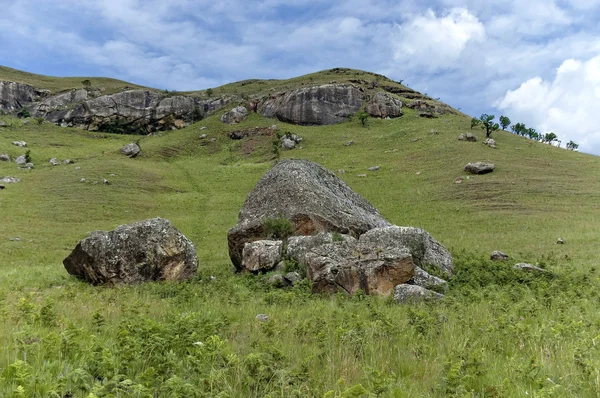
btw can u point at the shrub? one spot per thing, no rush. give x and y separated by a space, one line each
278 227
363 117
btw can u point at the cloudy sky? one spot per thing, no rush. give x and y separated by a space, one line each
536 61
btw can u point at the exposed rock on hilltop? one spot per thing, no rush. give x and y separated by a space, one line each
384 105
317 105
13 96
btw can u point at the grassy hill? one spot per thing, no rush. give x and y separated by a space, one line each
498 333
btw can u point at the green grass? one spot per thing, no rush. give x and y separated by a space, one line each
499 333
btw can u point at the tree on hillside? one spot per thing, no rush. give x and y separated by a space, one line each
572 146
549 138
87 84
504 122
519 129
475 122
488 124
363 117
531 133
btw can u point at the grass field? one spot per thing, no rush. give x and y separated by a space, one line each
499 333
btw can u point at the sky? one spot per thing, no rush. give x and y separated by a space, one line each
535 61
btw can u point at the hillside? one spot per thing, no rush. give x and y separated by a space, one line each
498 333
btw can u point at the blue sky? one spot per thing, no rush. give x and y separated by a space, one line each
537 62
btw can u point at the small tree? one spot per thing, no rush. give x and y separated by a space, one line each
488 124
209 92
572 146
87 84
532 134
519 128
475 122
549 138
363 117
504 122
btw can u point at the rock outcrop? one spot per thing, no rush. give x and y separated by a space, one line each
235 116
317 105
311 197
384 105
411 294
15 96
144 251
262 255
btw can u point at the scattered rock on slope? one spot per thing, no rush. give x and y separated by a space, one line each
311 197
143 251
410 294
14 95
317 105
4 157
498 256
131 150
479 168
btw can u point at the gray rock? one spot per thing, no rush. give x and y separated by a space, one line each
4 157
9 180
292 278
59 101
68 161
299 246
105 181
530 268
426 251
131 150
490 142
560 241
54 162
21 159
83 180
236 115
276 281
470 137
143 251
411 294
3 123
311 197
348 268
384 105
374 168
458 180
21 144
498 256
317 105
13 96
287 143
479 168
349 143
361 175
203 128
462 137
262 317
427 281
203 136
29 166
262 255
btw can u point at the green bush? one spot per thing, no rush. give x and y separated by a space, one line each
278 227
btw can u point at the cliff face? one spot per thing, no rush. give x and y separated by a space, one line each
14 96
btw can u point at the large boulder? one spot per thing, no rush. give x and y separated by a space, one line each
14 96
299 246
312 198
234 116
426 251
143 251
349 267
59 101
262 255
317 105
384 105
130 150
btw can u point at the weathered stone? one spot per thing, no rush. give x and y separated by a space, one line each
22 159
68 161
427 281
317 105
426 251
59 101
262 317
287 143
384 105
490 142
276 281
9 180
29 165
470 137
312 198
21 144
54 162
299 246
560 241
143 251
498 256
529 268
234 116
131 150
479 168
83 180
349 143
411 294
4 157
13 96
374 168
462 137
292 278
348 267
262 255
458 180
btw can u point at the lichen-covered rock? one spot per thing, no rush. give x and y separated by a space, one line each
425 251
20 144
490 142
4 157
54 162
479 168
311 197
298 246
317 105
530 268
427 281
498 256
411 294
236 115
144 251
9 180
131 150
262 255
349 267
13 96
21 159
59 101
384 105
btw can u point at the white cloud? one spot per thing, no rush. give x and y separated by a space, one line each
437 42
567 105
